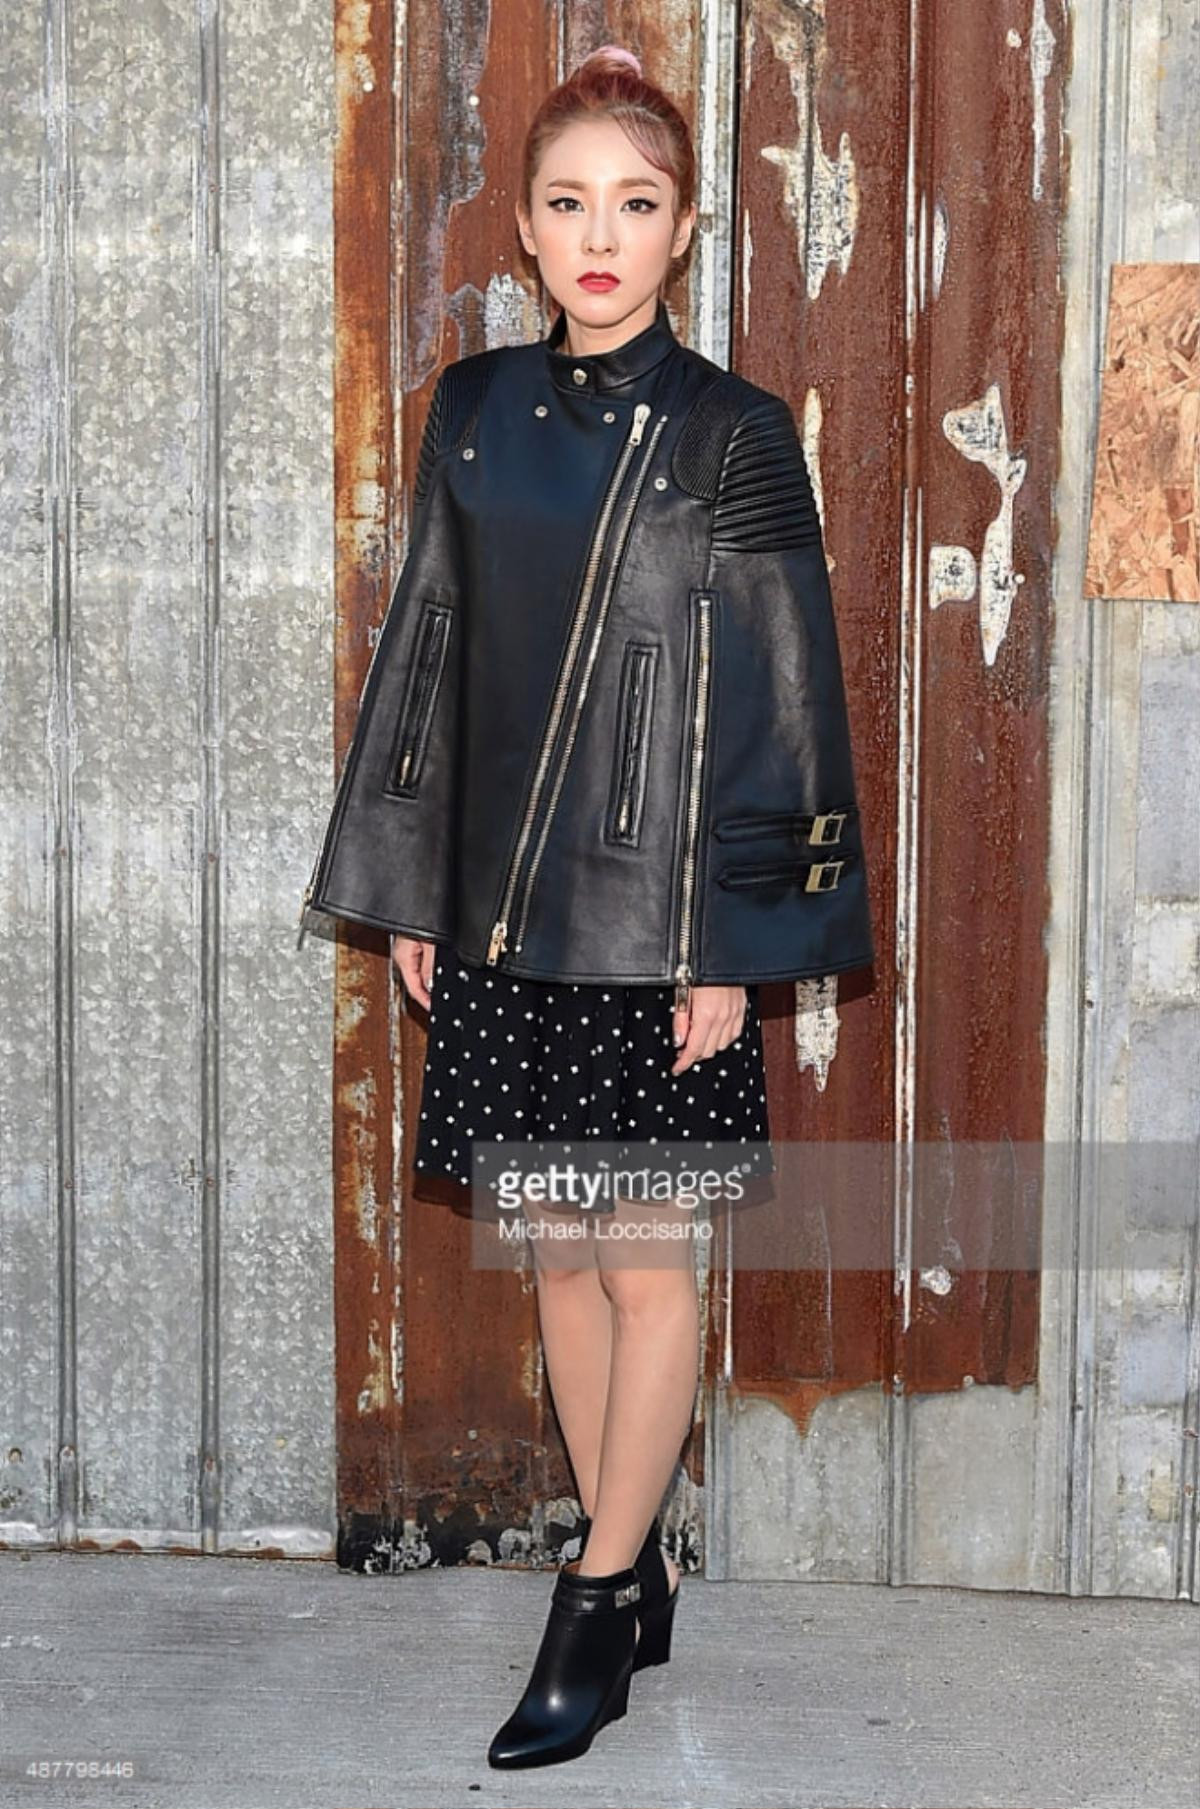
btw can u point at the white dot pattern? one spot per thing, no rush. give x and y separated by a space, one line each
509 1058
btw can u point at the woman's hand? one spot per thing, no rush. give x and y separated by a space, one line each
713 1021
415 960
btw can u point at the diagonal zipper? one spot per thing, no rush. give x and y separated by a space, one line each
601 616
499 936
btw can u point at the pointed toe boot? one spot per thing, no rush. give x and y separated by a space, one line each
580 1676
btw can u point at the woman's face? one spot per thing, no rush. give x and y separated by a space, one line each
598 206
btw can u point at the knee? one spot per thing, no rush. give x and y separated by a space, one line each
564 1272
640 1295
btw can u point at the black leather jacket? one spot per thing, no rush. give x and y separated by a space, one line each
603 734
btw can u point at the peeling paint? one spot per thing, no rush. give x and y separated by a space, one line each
979 432
355 1102
397 1343
373 1394
815 1026
504 313
747 256
1041 58
952 575
515 1545
821 193
941 245
812 421
408 1550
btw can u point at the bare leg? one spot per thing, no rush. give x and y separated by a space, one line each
630 1320
652 1382
575 1320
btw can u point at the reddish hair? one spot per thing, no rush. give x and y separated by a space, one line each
609 84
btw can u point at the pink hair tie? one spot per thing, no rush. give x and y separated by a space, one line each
620 53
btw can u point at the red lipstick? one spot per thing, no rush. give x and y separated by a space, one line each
598 280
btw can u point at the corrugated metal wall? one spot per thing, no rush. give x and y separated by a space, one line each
166 1247
232 276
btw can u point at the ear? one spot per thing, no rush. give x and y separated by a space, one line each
524 229
683 232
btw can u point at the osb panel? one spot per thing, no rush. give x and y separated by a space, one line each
1143 540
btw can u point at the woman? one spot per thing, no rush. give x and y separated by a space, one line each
600 788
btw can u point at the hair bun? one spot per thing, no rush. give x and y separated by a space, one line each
615 53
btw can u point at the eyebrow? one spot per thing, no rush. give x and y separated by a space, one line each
625 182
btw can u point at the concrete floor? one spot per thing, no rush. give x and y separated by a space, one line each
262 1683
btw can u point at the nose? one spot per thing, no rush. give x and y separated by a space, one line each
600 235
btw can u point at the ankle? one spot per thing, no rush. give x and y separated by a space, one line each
600 1559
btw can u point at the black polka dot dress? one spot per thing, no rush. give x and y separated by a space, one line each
512 1059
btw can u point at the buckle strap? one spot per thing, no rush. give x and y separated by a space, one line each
584 1594
816 880
819 824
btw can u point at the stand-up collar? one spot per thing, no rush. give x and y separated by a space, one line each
595 371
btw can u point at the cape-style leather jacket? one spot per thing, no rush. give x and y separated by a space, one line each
603 734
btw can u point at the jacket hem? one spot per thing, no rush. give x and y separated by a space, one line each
519 970
523 971
381 923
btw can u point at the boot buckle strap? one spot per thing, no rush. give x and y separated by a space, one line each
630 1592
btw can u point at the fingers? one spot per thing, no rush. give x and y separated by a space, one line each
712 1024
416 966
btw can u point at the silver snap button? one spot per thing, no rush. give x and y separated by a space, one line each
468 452
579 374
541 409
609 415
660 483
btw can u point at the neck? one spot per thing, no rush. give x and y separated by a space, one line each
582 340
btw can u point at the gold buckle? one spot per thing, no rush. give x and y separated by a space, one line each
817 832
813 880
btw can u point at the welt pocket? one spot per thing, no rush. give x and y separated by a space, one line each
810 876
793 823
635 711
420 698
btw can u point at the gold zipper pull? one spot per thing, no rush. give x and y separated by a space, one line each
498 942
641 415
683 986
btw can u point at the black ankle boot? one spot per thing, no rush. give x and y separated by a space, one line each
656 1609
580 1677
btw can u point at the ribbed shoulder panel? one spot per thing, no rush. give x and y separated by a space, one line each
764 499
700 447
453 409
430 437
